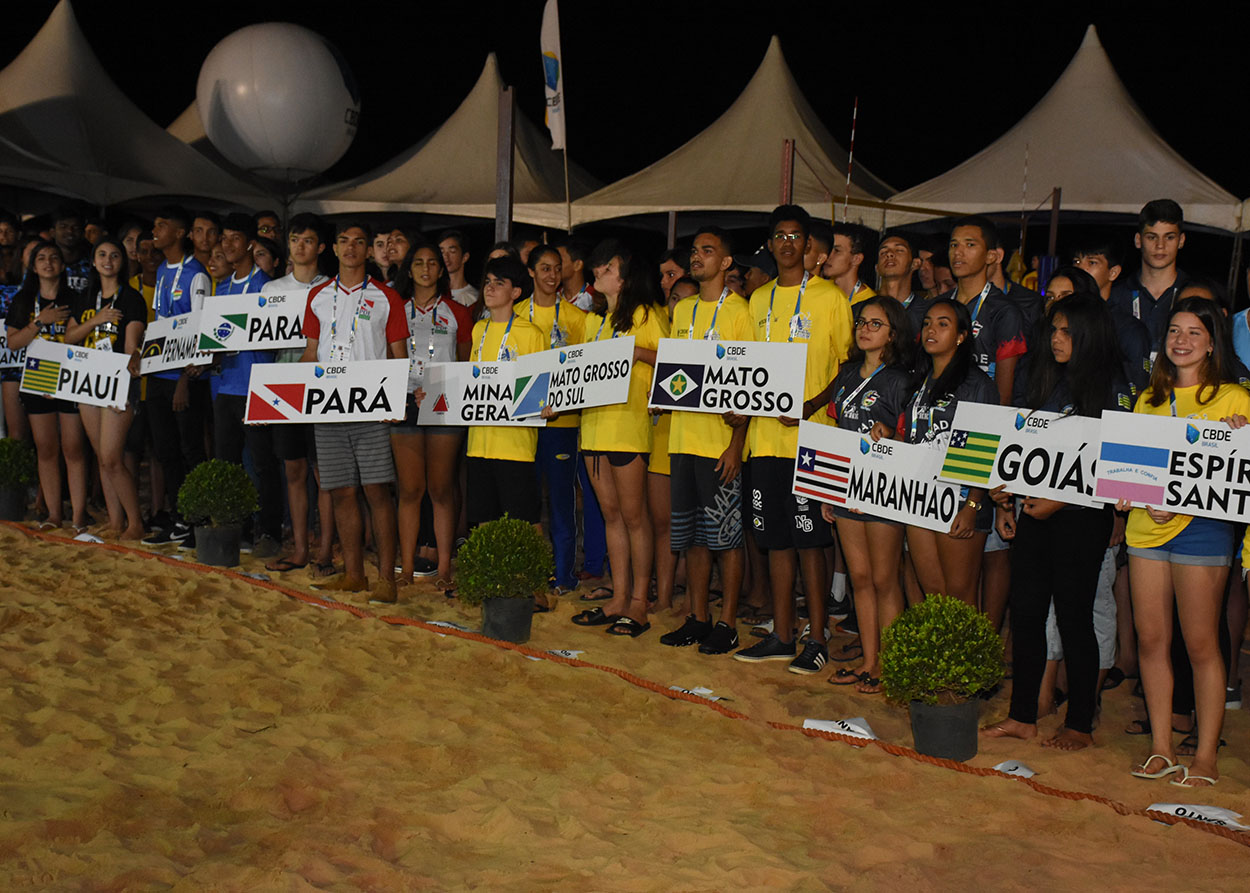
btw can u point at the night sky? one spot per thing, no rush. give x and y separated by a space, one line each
642 77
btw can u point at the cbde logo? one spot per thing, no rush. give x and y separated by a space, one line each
720 352
319 371
1191 433
563 357
864 446
1020 418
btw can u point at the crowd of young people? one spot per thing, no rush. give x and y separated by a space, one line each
943 325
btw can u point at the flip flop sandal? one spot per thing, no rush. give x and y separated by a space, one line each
627 626
1189 745
283 565
874 686
323 569
593 595
848 652
1184 780
1168 767
843 676
595 617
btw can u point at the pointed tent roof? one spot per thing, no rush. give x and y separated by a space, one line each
1112 161
452 170
735 164
65 127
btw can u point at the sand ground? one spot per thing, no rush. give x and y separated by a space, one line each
169 728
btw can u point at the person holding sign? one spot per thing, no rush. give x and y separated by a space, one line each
949 563
112 316
1180 558
41 309
561 323
355 317
868 395
426 457
1058 549
616 439
706 459
793 308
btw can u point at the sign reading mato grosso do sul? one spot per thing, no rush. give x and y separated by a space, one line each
577 376
755 378
79 374
1188 466
359 391
480 394
1030 453
253 321
887 478
172 343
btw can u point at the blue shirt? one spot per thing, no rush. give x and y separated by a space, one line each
236 366
180 288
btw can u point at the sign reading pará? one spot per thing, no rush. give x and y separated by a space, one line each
253 321
359 391
753 378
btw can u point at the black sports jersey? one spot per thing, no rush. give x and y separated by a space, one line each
1030 304
856 403
1135 347
112 336
925 419
1129 296
1119 397
997 329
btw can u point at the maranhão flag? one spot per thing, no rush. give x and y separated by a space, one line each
553 74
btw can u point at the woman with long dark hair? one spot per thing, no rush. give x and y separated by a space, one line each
1057 548
616 440
1180 559
40 310
949 562
868 395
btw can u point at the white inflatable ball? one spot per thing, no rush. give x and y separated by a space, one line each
278 100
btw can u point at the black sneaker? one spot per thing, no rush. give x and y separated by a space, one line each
839 608
767 648
188 541
813 659
848 625
722 639
692 631
174 534
423 567
161 521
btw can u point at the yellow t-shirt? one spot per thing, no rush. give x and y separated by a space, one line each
149 295
704 433
824 324
863 293
572 330
1230 399
625 427
515 444
661 461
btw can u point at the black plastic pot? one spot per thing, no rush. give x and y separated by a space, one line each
508 619
946 730
218 546
12 503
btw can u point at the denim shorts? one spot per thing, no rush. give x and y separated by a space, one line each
1204 542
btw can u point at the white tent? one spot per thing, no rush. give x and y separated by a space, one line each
735 164
66 128
1087 137
452 171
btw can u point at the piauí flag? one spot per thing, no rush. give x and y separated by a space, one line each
531 394
40 376
970 456
223 331
553 73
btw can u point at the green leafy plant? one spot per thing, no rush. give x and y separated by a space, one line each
941 651
507 558
217 492
17 463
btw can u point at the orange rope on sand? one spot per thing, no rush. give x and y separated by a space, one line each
1242 838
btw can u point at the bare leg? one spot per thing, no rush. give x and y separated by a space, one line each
382 511
996 585
1151 586
441 454
75 464
1199 600
47 433
351 533
660 506
409 450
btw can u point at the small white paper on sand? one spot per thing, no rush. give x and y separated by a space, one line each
1015 767
87 538
1212 815
565 652
698 691
856 727
446 623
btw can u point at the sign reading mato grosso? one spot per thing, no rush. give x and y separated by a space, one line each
253 321
76 373
755 378
479 394
172 343
363 391
577 376
887 478
1030 453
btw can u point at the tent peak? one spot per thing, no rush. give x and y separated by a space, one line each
1091 37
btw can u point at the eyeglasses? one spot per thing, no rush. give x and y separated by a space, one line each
787 237
874 324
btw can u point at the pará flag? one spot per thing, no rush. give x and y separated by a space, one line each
553 74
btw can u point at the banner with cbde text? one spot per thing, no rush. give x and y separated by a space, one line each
888 478
1187 466
476 394
575 377
253 321
76 373
1030 453
753 378
10 359
359 391
172 342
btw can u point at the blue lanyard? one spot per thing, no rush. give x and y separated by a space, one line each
602 323
915 410
502 342
855 393
551 339
334 316
1172 399
164 296
798 305
694 313
981 300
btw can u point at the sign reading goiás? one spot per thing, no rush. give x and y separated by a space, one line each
359 391
753 378
477 394
575 377
172 343
1030 453
253 321
76 373
887 478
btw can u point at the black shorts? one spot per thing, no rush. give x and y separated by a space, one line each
616 460
36 405
843 512
705 512
780 519
501 486
292 441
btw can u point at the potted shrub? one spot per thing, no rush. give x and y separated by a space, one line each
502 567
17 473
217 497
938 657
